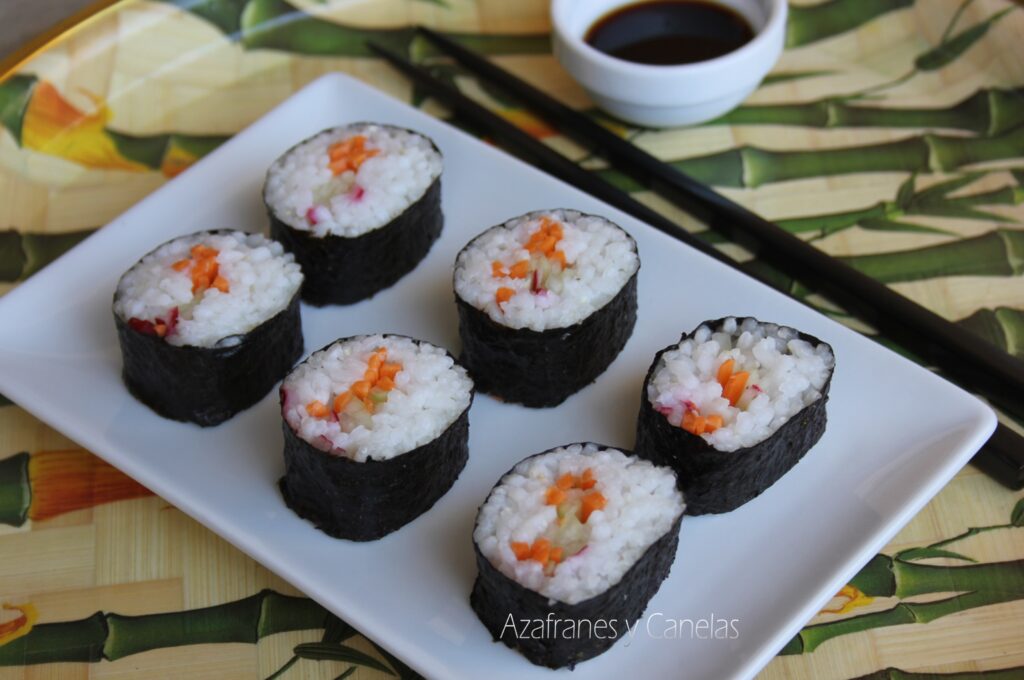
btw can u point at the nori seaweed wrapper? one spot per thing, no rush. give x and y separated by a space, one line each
208 385
716 481
495 597
544 368
368 500
342 270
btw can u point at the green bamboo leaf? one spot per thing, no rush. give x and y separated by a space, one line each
147 150
905 194
404 672
1017 515
787 76
951 26
323 651
12 255
885 224
943 189
283 669
224 14
15 93
951 209
346 673
813 22
927 553
15 491
950 50
337 630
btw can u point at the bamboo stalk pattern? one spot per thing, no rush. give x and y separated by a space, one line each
48 484
278 25
989 112
750 166
113 636
998 253
902 576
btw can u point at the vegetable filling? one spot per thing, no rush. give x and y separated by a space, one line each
575 500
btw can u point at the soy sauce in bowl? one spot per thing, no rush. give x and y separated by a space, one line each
669 32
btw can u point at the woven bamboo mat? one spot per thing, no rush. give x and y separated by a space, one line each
891 133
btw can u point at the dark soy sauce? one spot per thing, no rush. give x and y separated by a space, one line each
669 32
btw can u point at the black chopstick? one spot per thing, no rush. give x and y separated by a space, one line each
1004 450
957 351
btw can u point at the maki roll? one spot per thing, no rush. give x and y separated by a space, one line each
207 323
546 301
359 205
732 407
376 430
580 538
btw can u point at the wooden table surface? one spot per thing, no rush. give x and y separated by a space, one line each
891 133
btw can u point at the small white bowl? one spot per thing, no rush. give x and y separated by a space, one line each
663 96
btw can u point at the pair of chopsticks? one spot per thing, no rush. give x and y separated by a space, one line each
969 360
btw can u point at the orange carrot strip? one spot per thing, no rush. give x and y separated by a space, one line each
554 496
386 384
504 294
591 502
317 409
714 422
369 405
200 251
497 269
733 389
556 555
341 401
390 370
559 257
520 549
181 265
360 389
725 371
371 375
160 329
520 270
566 481
587 481
220 283
541 550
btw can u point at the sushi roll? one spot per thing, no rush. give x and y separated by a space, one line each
208 323
376 430
580 538
359 205
732 407
546 301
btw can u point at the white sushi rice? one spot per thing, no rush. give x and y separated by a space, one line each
600 259
301 189
642 505
431 391
786 374
262 279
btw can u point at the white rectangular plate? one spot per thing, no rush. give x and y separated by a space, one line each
896 433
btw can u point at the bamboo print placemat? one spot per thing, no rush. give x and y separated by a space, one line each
891 134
